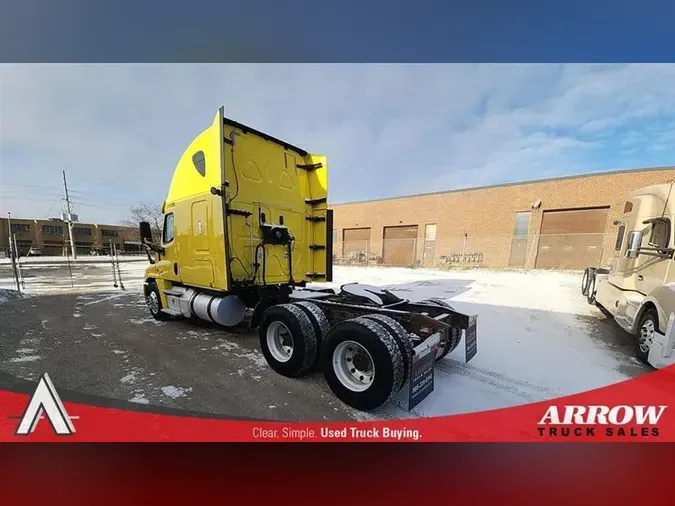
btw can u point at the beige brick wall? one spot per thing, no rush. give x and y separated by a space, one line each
487 214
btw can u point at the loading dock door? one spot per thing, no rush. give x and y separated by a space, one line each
356 244
571 240
399 245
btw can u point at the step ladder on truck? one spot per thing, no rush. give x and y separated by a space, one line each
638 288
247 240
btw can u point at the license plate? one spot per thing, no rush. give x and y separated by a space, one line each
470 339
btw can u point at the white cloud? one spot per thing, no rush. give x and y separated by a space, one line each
387 129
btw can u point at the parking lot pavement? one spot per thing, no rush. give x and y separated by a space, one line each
107 344
545 342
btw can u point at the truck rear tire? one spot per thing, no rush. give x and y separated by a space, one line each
288 340
154 302
590 296
453 336
363 365
318 319
585 281
402 338
649 323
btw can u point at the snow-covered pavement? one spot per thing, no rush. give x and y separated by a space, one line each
537 336
92 274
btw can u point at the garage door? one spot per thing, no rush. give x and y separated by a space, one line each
571 239
355 243
399 245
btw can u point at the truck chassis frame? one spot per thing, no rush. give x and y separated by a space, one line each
399 341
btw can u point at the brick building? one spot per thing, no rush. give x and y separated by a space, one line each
561 223
50 237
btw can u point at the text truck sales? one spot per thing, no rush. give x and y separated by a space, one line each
622 420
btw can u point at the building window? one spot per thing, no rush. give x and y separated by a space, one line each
20 228
51 229
430 232
167 234
81 231
522 225
660 236
355 243
619 237
108 233
628 207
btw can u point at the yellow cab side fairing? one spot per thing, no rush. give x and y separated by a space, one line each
197 252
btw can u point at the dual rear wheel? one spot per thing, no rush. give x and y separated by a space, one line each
365 360
451 338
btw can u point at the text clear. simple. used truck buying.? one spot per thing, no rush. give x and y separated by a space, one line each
246 228
638 288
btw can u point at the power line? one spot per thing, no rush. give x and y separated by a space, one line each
52 206
80 199
100 205
92 200
45 190
28 199
32 186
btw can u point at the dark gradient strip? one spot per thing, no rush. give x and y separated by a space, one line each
383 474
344 31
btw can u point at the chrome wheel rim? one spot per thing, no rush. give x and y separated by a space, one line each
279 341
353 365
153 302
646 336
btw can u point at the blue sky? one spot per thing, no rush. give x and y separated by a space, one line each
387 130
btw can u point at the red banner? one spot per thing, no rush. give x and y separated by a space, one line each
640 409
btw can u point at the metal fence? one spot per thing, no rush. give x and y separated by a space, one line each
49 275
540 251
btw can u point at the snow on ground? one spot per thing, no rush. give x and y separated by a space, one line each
537 336
89 259
6 295
86 276
175 392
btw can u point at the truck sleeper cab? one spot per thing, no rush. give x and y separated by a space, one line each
638 288
246 228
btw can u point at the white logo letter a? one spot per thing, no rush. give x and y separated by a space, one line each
46 399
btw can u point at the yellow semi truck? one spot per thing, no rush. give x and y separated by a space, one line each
638 288
247 230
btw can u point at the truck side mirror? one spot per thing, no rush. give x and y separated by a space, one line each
634 243
146 232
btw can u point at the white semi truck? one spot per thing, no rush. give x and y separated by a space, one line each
638 287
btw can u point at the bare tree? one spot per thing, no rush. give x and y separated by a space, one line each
152 213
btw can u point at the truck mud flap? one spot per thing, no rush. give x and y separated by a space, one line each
423 367
421 383
471 339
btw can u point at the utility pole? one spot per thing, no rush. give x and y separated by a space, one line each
11 252
70 217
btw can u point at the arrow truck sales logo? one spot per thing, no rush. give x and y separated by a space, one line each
610 421
46 400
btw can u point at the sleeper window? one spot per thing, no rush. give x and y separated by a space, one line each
660 234
168 229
